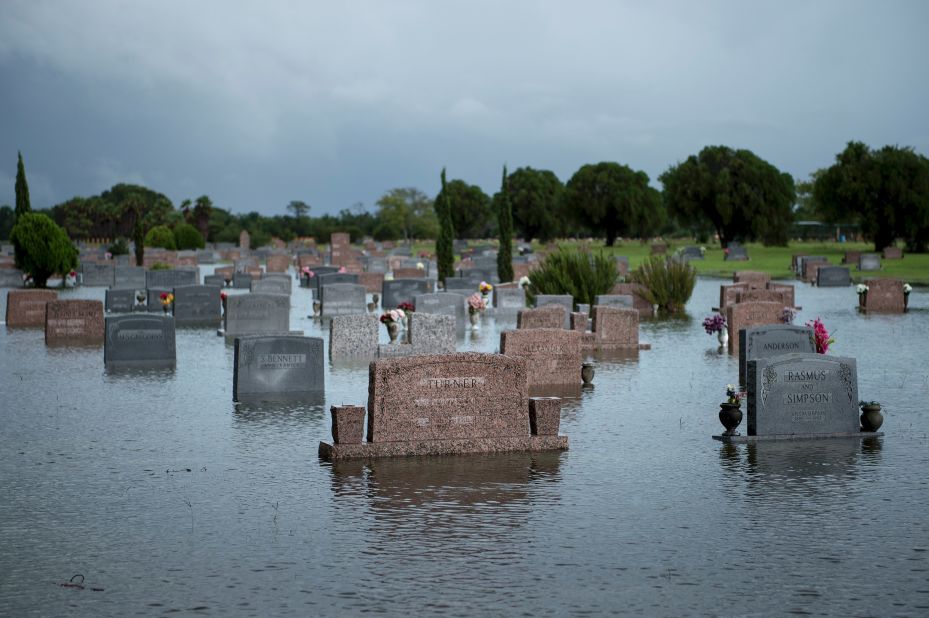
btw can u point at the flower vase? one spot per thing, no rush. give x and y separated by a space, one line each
723 336
165 308
730 415
871 418
317 308
393 329
474 317
587 374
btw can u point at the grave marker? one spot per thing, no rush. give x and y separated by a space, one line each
73 322
869 261
550 316
197 305
884 296
278 367
26 308
169 279
97 275
553 355
752 313
833 277
139 341
772 340
253 314
342 299
404 291
353 336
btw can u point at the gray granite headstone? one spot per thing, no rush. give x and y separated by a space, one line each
376 265
562 300
197 305
215 280
869 261
11 278
254 314
330 278
802 394
170 279
773 340
833 277
804 259
399 291
125 301
243 264
736 254
97 275
125 277
353 336
462 285
444 303
614 300
242 281
691 253
509 298
278 367
205 256
271 285
153 302
342 299
139 341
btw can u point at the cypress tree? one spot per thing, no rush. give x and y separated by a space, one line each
22 188
505 230
444 250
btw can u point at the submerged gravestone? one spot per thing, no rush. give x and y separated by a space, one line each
462 285
97 275
751 313
399 291
561 300
802 395
278 367
553 355
833 277
242 281
125 301
69 322
331 278
170 279
254 314
353 336
27 307
11 278
218 281
342 299
139 341
271 285
773 340
613 300
509 298
444 303
869 261
197 305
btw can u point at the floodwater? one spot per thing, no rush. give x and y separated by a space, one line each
171 499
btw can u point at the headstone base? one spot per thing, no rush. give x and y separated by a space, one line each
374 450
796 436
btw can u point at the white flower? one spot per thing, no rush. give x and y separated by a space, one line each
730 387
907 288
862 288
523 281
420 266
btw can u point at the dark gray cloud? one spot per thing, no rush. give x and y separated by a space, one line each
257 104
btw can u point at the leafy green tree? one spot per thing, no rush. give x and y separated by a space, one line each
444 244
887 191
298 208
187 237
160 236
505 232
742 195
535 196
406 213
22 187
42 248
471 212
615 199
7 219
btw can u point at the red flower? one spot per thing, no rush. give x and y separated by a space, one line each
164 296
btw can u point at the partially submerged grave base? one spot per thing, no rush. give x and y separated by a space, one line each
446 404
795 436
371 450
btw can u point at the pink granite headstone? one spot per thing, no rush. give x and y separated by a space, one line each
884 296
743 315
549 316
278 263
615 328
27 307
639 302
553 355
729 294
73 322
753 278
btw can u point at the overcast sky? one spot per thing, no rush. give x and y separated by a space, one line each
334 103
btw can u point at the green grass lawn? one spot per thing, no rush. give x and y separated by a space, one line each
913 268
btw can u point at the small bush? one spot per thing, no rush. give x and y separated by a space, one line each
669 283
161 266
120 247
160 236
568 271
187 236
42 248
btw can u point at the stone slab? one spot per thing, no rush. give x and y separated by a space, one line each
869 261
170 279
398 291
342 299
11 278
802 394
614 300
509 298
272 285
553 355
353 336
551 316
254 314
97 275
197 305
753 278
125 301
823 436
753 313
833 277
564 300
773 340
365 450
615 328
884 296
26 308
69 322
277 367
139 341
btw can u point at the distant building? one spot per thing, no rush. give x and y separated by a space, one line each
817 230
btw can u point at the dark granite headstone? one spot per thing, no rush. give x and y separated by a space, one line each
444 303
125 301
271 285
170 279
403 291
218 281
278 367
773 340
197 305
691 253
833 277
11 278
736 254
139 341
462 285
125 277
242 281
802 394
330 278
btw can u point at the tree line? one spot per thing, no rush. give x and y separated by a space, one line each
730 193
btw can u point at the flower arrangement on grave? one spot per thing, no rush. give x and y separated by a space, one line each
307 272
714 324
476 304
108 255
406 307
734 396
394 315
787 315
524 282
222 297
821 336
166 299
907 288
485 288
420 266
861 289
